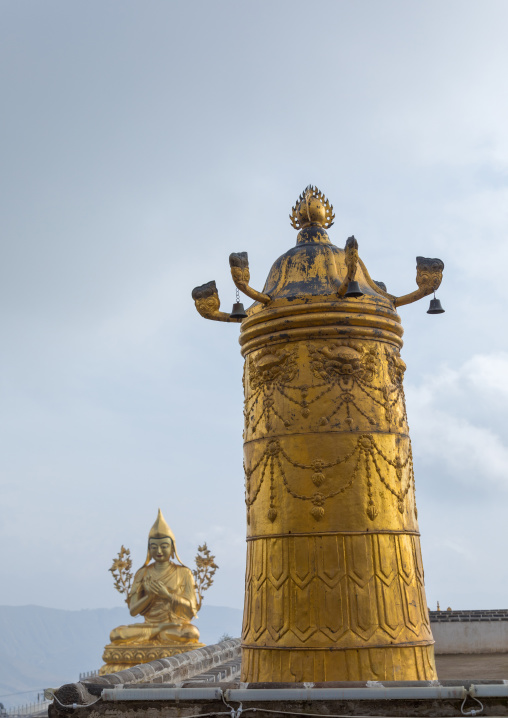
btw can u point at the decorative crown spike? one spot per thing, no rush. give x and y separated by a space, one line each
161 529
312 207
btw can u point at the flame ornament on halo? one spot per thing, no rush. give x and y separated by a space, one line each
312 208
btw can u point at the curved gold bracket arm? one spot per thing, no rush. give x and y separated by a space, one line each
351 258
239 263
376 286
429 274
206 299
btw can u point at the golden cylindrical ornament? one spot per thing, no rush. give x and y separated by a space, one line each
334 587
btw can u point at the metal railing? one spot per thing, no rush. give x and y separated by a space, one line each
88 674
29 709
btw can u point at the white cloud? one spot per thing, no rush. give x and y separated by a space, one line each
456 430
458 419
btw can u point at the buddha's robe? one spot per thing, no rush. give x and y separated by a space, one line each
166 621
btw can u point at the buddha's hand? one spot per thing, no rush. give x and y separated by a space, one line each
156 587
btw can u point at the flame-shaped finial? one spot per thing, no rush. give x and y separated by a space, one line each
312 208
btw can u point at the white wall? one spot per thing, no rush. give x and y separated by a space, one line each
470 636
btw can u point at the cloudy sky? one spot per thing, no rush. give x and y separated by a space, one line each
144 141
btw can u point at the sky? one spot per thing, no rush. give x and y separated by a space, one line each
141 143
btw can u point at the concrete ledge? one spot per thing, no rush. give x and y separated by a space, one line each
152 702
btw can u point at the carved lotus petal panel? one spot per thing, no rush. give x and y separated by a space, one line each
303 562
304 619
386 557
391 619
331 560
278 564
363 610
259 561
333 617
278 616
405 555
360 559
259 608
412 606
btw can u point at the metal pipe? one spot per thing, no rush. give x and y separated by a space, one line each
491 690
337 694
242 695
161 694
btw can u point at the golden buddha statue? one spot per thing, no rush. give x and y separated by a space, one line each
334 579
163 592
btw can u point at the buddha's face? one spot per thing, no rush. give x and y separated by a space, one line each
161 549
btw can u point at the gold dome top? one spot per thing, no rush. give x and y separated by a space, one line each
312 208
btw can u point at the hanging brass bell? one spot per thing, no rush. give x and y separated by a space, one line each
435 307
238 312
353 290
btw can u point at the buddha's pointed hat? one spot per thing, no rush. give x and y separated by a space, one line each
160 530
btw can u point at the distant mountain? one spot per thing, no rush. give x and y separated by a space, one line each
46 647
